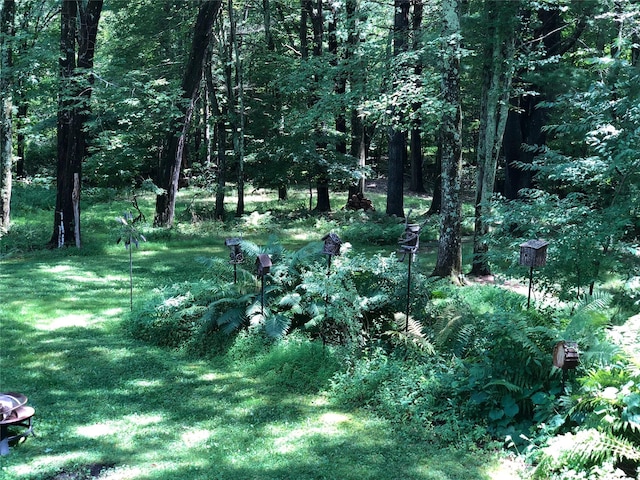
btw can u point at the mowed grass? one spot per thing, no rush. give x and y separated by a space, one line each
110 407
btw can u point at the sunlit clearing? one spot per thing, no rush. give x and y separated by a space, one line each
326 425
73 320
194 437
49 461
145 383
114 427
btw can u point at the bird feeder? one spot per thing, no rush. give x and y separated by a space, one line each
263 264
331 248
235 251
235 254
565 355
533 254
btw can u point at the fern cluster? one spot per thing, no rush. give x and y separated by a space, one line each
346 301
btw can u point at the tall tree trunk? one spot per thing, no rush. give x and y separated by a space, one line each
359 140
238 106
449 262
436 199
340 82
7 35
396 133
21 138
497 74
314 11
171 160
266 11
79 23
219 137
417 181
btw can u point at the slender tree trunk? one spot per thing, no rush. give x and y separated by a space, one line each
171 161
220 138
238 105
7 35
266 8
359 143
314 11
415 149
496 87
436 199
449 262
79 23
397 135
21 138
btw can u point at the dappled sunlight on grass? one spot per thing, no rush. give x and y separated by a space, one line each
102 397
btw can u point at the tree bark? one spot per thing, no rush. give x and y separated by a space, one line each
238 106
497 74
314 11
397 135
171 160
7 35
219 137
436 199
79 23
415 149
449 262
359 140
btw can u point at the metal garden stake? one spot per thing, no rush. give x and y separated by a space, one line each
263 266
409 243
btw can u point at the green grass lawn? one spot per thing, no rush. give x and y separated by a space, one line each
110 407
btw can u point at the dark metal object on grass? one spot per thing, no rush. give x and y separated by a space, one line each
14 413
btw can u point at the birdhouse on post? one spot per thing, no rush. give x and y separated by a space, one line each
533 253
263 264
332 244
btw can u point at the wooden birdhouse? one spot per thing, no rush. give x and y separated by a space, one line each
533 253
263 264
565 355
332 244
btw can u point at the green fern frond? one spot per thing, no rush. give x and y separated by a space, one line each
276 326
231 320
597 302
513 388
411 334
598 447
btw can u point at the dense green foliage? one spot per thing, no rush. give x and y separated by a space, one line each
298 96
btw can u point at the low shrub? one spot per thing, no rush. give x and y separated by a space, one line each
420 396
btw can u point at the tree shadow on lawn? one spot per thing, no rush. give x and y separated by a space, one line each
103 399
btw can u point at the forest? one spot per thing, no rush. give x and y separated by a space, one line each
437 143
